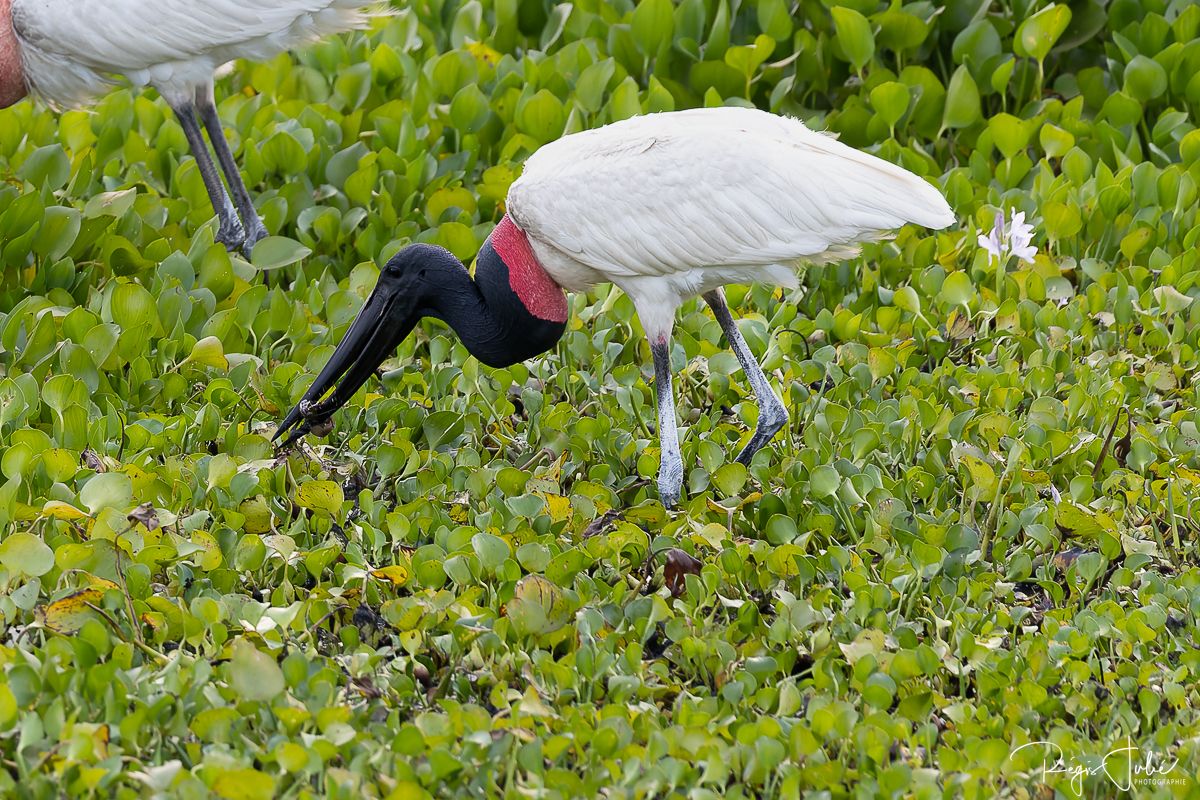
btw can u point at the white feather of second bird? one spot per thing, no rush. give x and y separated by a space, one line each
70 49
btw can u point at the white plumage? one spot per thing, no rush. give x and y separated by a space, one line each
670 206
71 50
667 207
676 205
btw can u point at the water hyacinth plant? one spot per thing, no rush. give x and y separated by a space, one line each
470 589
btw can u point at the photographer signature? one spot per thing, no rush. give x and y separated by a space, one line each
1135 769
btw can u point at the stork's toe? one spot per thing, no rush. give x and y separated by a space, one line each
231 234
255 233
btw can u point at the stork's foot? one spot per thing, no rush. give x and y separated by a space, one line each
231 234
670 482
255 233
772 418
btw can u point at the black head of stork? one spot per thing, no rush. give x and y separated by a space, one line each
510 312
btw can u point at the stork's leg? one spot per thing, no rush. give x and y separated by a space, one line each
253 224
771 414
229 231
670 470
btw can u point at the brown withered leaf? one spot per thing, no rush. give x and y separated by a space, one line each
366 687
91 459
601 524
679 564
146 515
1063 560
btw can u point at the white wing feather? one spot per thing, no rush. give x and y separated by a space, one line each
69 46
663 194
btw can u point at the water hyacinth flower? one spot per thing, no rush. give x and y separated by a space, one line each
994 242
1017 242
1019 237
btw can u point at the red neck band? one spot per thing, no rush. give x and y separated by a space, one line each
538 292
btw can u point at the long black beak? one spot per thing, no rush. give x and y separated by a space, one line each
384 321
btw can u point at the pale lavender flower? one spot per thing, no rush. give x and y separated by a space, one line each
1016 242
994 243
1019 237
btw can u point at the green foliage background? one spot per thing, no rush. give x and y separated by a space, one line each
462 592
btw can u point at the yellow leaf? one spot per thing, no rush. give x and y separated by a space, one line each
484 53
100 583
60 510
209 352
531 704
983 477
69 614
245 784
212 557
396 573
258 515
1082 521
558 506
323 496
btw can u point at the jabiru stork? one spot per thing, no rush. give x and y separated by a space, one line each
665 206
65 52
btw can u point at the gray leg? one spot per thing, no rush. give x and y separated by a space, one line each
229 232
771 414
670 470
253 224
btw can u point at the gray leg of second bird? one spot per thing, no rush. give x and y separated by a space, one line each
670 470
771 414
251 222
229 230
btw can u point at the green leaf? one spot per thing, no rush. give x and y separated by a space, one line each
26 554
1011 134
1037 34
492 550
538 606
957 289
592 84
730 479
46 166
253 674
542 116
854 35
963 108
274 252
60 229
653 23
823 482
133 307
1145 79
208 352
107 490
470 109
890 101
